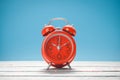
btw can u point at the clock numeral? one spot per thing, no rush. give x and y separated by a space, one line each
53 57
59 56
68 49
50 48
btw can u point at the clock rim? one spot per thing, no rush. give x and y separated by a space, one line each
62 62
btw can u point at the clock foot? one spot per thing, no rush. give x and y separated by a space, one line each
69 65
48 66
58 67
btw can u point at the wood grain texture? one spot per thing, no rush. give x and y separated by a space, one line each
36 70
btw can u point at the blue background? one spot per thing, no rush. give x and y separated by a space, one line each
97 23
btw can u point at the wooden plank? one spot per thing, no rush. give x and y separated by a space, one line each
60 78
34 70
74 63
59 74
74 69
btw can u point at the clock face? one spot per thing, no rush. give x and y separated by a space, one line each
59 47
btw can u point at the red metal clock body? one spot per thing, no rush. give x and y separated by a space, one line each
58 47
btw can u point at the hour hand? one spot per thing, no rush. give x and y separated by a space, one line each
64 44
54 44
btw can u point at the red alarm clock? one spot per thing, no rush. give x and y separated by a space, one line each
58 47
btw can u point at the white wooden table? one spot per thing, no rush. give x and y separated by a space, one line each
81 70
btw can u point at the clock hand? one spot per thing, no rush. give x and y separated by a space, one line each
59 41
54 44
64 44
58 47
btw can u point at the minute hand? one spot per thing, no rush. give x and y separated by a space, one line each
59 41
